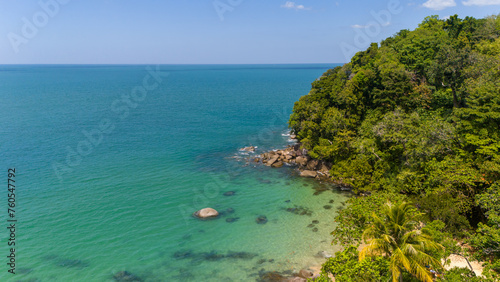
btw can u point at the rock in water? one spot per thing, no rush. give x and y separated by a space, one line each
229 193
248 149
305 274
206 213
126 276
301 161
308 173
277 164
261 219
272 160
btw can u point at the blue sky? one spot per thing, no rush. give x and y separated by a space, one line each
209 31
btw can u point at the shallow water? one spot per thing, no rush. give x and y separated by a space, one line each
128 204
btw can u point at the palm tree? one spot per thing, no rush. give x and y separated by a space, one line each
395 236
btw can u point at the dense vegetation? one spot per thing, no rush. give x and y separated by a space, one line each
415 119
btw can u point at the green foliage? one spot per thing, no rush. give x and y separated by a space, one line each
486 241
416 117
457 274
346 267
357 215
395 236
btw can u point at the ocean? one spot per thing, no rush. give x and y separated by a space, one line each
111 162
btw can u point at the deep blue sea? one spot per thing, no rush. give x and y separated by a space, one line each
111 162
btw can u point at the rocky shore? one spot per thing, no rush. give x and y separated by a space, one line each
293 155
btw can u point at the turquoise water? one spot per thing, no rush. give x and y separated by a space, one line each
122 199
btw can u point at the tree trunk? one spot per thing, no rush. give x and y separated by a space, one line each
471 269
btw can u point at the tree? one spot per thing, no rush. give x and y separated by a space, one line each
395 236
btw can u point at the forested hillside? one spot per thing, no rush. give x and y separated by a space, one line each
416 118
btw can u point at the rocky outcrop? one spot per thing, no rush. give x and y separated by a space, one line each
308 173
206 213
305 274
248 149
294 155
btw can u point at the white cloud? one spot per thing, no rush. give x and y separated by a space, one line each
440 4
481 2
292 5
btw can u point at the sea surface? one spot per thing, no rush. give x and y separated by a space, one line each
111 162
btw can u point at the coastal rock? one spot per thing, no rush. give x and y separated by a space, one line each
323 167
296 279
301 160
308 173
277 164
206 213
248 149
305 274
323 254
312 164
272 160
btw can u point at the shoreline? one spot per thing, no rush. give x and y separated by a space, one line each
294 157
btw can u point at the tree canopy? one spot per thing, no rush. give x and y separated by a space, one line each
418 116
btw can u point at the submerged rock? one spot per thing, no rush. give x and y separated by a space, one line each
323 254
229 193
123 276
315 221
327 207
240 255
271 277
183 254
232 219
261 219
206 213
305 274
72 263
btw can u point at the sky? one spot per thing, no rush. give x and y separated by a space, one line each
209 31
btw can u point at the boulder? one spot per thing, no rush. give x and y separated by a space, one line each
323 167
248 149
261 219
272 160
312 164
277 164
206 213
302 161
305 274
323 254
308 173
